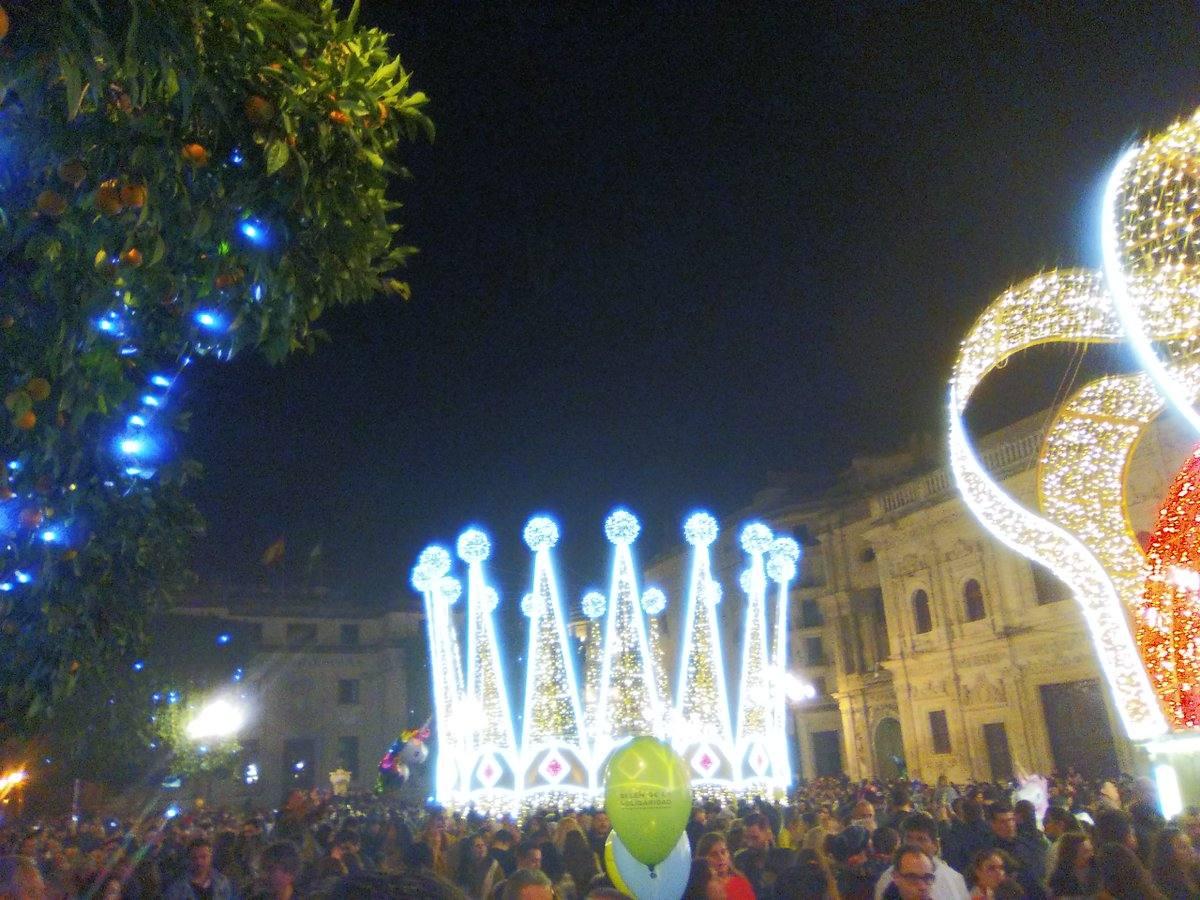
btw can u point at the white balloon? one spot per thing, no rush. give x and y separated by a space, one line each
415 752
670 876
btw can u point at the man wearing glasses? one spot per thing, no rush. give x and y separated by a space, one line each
919 831
912 874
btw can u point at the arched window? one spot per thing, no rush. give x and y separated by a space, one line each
920 605
973 600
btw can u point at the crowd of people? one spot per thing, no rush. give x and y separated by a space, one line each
833 840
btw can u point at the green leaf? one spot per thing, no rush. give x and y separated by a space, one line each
373 158
277 156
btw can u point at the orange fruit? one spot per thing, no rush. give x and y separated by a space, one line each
26 420
195 154
133 196
38 389
73 171
337 117
108 198
51 203
383 111
132 257
6 493
7 322
3 23
259 110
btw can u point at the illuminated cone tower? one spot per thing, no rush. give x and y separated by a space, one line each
439 592
756 711
490 759
629 702
701 732
781 569
554 745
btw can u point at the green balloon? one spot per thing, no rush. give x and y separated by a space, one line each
648 797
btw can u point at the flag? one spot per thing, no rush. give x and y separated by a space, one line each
274 553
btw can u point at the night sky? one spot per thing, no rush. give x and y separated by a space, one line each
668 249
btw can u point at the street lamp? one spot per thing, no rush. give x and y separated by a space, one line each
220 718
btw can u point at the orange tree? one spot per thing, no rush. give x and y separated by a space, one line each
177 178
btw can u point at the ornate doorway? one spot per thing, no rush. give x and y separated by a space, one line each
889 749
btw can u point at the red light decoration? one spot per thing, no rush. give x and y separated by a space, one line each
1168 621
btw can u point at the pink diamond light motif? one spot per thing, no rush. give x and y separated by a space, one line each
554 768
705 761
489 771
759 759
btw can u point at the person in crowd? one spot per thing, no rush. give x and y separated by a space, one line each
1074 874
912 875
527 884
439 842
502 851
579 860
1147 822
20 879
791 835
1173 864
1056 822
724 877
280 867
601 826
884 844
850 850
697 824
201 881
478 872
1113 826
920 831
862 814
808 878
967 835
1122 875
751 859
985 873
1028 865
698 878
900 806
529 859
945 793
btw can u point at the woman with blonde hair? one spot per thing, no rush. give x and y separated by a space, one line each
725 880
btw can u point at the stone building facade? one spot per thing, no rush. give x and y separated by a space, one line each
327 684
934 649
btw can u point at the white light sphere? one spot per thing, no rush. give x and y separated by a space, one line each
785 547
781 569
436 558
422 578
756 538
450 589
654 601
473 546
713 592
594 604
532 606
541 533
622 527
490 599
700 529
746 580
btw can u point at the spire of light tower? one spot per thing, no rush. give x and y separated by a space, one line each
781 568
629 702
701 731
755 711
427 576
554 743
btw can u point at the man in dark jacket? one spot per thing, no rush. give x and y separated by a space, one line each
1029 853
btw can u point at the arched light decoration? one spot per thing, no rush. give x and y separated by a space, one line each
1149 295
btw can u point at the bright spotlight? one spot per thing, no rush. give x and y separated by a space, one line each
220 718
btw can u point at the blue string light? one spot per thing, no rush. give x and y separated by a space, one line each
254 231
